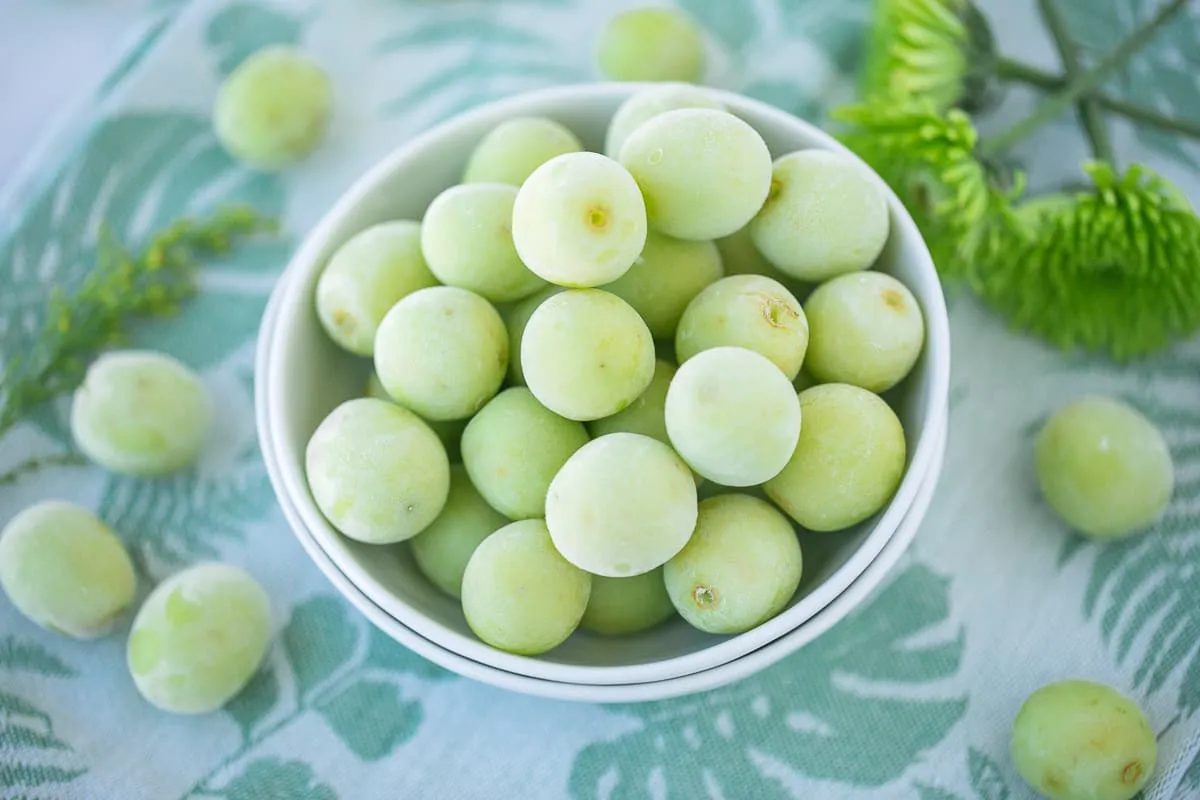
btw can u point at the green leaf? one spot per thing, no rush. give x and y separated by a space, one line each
31 657
1191 778
16 774
17 706
370 718
986 777
319 639
251 705
735 25
387 654
238 29
440 30
19 736
275 779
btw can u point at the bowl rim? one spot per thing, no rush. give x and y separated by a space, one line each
293 485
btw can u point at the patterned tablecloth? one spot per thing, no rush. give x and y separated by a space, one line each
912 697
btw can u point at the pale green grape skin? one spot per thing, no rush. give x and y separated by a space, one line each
377 471
1104 468
466 237
866 329
519 595
443 549
704 173
141 413
750 311
366 276
622 505
516 317
848 462
516 147
65 570
199 638
650 102
274 108
739 256
826 216
586 354
651 44
1080 740
740 569
448 431
647 415
733 416
514 447
442 352
624 606
579 221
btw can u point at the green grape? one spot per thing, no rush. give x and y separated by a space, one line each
366 276
647 414
587 354
515 148
274 108
516 317
848 462
704 173
513 448
651 44
376 471
199 638
449 431
650 102
442 352
741 567
579 220
1079 740
466 237
519 594
622 505
65 570
141 413
1104 468
804 380
443 549
749 311
826 216
733 416
623 606
739 256
665 278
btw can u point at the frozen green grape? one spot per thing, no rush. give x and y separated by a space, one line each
647 414
1104 468
519 594
141 413
623 606
587 354
442 352
516 317
376 471
199 638
622 505
274 108
515 148
466 237
513 448
443 549
733 416
449 431
1079 740
65 570
368 275
665 278
704 173
749 311
741 567
826 216
651 44
848 462
650 102
739 256
579 220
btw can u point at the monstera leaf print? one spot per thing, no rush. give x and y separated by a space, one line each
988 782
238 29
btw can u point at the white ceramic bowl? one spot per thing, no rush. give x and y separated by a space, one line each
304 376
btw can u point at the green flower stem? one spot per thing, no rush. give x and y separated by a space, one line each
1094 124
37 463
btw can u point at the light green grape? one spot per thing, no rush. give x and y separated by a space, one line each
449 431
741 567
65 570
647 414
622 505
651 44
848 462
587 354
274 108
733 416
442 352
579 220
513 448
826 216
516 317
141 413
366 276
466 237
624 606
1104 468
519 594
1079 740
749 311
443 549
376 471
739 256
199 638
704 173
516 147
650 102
